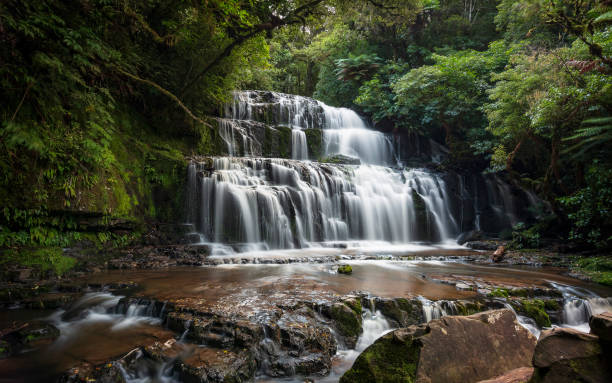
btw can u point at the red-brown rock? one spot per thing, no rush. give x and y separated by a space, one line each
601 325
564 344
518 375
452 349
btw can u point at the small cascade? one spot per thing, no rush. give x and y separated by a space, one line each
579 305
437 309
526 322
374 326
346 133
299 146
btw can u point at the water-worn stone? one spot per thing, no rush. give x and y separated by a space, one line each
450 349
563 344
518 375
209 365
601 325
347 321
565 355
401 311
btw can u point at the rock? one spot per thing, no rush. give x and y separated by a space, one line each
347 321
463 286
209 365
401 311
563 344
566 355
601 325
342 159
498 255
450 349
85 372
34 334
470 236
518 375
345 269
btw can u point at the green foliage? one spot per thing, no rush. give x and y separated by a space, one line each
599 269
590 209
48 258
525 238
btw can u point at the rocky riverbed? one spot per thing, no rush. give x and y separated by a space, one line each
282 316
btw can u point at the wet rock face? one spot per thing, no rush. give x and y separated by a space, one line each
565 355
401 312
451 349
29 336
601 325
289 342
208 365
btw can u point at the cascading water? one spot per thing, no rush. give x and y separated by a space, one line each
254 203
579 305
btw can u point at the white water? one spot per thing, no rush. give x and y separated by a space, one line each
579 305
248 204
374 326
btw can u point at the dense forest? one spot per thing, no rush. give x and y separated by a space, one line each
101 100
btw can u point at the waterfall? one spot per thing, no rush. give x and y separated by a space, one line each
275 203
246 202
579 305
299 147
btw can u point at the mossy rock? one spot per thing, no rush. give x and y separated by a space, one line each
469 307
535 309
346 319
388 360
345 269
314 140
499 293
401 310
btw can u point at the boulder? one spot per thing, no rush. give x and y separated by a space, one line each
208 365
450 349
566 355
518 375
562 344
601 325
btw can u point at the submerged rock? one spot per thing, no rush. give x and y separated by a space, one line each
345 269
451 349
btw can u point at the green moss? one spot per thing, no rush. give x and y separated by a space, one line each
499 293
534 308
388 360
50 258
469 307
314 139
551 305
284 141
599 269
345 269
347 320
355 305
